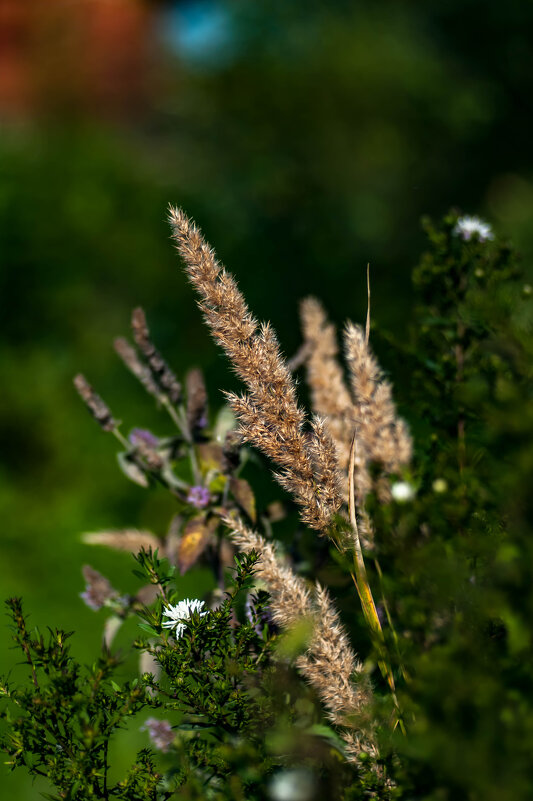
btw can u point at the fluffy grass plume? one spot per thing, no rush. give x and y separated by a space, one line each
329 663
269 415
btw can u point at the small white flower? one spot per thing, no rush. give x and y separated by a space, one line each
180 612
402 491
291 785
467 226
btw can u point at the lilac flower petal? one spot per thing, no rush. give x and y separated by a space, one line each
160 732
141 436
199 497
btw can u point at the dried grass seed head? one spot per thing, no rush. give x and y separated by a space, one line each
123 540
382 436
269 415
97 407
129 356
329 664
291 600
161 372
329 394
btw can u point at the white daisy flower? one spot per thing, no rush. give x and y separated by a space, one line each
402 491
180 612
467 226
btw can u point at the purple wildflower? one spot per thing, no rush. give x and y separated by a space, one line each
141 436
160 732
199 497
202 421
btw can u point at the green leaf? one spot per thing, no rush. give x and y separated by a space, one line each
149 629
195 726
131 470
197 534
294 641
321 730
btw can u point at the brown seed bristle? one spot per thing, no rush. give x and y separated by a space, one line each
196 399
329 664
161 372
124 540
97 407
326 467
129 356
291 601
329 394
381 436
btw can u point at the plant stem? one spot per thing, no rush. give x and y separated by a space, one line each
122 439
459 377
389 619
106 768
360 579
180 421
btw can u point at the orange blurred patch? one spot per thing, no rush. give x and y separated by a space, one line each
88 55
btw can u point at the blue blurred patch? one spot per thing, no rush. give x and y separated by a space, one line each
200 32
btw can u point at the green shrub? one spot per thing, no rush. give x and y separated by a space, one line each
421 536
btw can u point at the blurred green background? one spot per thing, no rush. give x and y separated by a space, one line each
306 138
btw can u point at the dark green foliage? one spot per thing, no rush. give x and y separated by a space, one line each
458 561
211 664
241 715
211 677
237 717
59 725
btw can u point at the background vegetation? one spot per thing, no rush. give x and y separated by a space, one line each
306 139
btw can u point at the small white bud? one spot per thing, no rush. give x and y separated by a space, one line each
291 785
402 491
